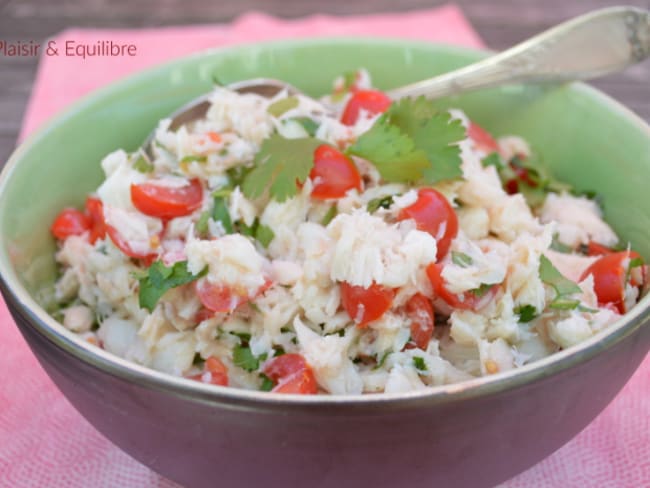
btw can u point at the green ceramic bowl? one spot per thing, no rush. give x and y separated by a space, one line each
473 434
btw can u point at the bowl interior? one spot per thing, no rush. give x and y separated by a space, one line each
585 138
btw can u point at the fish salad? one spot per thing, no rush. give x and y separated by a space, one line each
343 246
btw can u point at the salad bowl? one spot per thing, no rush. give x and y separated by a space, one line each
475 433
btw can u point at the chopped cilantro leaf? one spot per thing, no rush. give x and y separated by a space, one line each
391 151
279 165
492 159
202 224
142 165
220 214
419 363
377 203
244 358
244 337
329 216
413 141
461 259
194 158
481 290
582 308
562 303
526 313
160 278
267 383
264 235
635 263
283 105
308 124
383 358
558 245
550 275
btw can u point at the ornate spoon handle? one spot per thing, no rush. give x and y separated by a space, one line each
586 47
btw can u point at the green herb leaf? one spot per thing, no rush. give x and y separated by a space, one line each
383 358
244 337
635 263
562 303
419 363
550 275
413 141
559 246
194 158
481 290
279 165
264 235
526 313
329 216
220 214
381 202
142 165
492 159
283 105
202 224
160 278
391 151
308 124
582 308
267 383
461 259
243 357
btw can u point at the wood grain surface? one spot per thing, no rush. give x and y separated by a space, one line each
501 23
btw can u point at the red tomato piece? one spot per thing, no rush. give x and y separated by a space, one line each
333 173
167 202
433 214
595 249
222 298
372 101
292 374
466 300
95 211
219 298
70 222
203 314
420 312
214 372
610 272
364 305
483 140
124 246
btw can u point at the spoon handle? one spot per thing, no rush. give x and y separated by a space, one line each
586 47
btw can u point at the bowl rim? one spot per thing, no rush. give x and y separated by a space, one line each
24 305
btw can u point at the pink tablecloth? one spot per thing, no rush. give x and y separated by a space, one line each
44 442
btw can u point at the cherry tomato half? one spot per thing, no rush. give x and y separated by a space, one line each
483 140
167 202
372 101
433 214
595 249
123 245
610 272
70 222
292 374
333 173
464 301
222 298
95 211
218 372
364 305
420 312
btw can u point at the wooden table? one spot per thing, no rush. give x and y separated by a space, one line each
500 23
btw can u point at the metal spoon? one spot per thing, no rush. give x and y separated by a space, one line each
589 46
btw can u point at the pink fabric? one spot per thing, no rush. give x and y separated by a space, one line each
45 442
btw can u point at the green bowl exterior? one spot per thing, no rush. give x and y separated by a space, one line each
586 138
